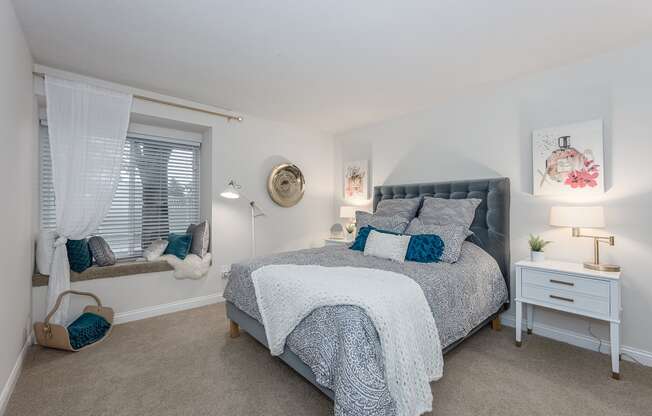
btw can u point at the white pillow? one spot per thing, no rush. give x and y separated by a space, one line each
155 250
387 246
45 251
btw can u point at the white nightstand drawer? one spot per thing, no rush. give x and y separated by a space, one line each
568 299
567 283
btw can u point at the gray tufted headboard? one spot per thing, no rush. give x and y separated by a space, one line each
491 223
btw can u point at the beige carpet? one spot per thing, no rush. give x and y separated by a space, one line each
184 364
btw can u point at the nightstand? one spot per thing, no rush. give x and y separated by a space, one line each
569 287
336 241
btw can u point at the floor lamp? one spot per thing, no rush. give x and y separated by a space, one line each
232 191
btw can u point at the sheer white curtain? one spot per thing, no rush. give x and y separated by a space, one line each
87 127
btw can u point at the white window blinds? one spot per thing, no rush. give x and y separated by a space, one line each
158 193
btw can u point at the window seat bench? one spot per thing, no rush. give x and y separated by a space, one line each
117 270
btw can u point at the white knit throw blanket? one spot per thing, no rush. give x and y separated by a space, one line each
395 304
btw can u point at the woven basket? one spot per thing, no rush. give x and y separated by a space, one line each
57 336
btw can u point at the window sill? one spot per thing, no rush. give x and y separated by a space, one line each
117 270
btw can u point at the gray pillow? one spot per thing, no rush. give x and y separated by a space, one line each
200 238
452 235
101 251
440 211
406 208
395 224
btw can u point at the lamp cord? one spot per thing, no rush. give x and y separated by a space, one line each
624 354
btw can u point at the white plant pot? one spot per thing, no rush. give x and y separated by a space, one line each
537 256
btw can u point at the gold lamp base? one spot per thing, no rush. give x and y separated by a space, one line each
602 267
595 264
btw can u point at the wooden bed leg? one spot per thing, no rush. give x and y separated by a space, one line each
495 324
234 329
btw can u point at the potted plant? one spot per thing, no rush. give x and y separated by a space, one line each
536 247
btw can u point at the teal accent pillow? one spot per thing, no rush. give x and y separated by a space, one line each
363 233
425 248
179 245
87 329
79 255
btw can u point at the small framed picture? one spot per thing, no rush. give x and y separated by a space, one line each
356 179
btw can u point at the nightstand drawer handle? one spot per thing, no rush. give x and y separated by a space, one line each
562 298
561 282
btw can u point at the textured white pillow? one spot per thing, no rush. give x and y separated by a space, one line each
200 238
155 250
387 246
45 251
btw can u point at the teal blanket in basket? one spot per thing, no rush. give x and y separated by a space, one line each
87 329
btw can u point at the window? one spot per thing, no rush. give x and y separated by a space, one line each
158 193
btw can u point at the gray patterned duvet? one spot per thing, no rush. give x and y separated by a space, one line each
340 344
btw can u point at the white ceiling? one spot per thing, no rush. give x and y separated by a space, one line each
330 65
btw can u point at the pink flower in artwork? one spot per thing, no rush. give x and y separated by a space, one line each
582 178
587 176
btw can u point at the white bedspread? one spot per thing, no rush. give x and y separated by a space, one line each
393 302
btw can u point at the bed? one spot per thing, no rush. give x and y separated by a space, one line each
336 348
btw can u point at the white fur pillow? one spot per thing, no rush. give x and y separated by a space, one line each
155 250
192 267
387 246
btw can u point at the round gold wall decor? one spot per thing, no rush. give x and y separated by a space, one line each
286 185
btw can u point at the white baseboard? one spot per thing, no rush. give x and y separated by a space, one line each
181 305
13 377
581 340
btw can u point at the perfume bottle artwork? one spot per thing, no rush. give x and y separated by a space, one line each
560 167
571 167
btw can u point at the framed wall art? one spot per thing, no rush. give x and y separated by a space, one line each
568 160
356 179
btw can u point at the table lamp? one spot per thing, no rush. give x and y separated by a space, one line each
585 217
348 212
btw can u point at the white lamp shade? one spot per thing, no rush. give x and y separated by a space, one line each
230 193
347 212
580 217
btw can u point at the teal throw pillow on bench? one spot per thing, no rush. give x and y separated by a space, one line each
79 255
179 245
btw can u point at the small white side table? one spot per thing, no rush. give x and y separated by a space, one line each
336 241
572 288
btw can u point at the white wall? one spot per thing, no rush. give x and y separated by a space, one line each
487 133
17 153
245 151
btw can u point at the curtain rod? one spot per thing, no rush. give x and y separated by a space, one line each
228 117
